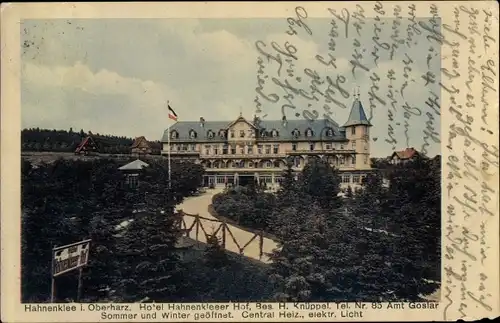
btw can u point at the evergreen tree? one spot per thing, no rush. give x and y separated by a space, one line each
214 255
321 181
153 268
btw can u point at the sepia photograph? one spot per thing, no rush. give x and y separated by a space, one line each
251 159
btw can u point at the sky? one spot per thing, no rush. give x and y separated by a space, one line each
114 76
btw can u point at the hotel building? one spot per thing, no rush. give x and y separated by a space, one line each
239 151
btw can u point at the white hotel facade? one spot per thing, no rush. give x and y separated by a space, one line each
242 150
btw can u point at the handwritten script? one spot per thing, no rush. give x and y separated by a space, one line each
313 68
469 71
410 70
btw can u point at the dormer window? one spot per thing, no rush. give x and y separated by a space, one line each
210 134
329 133
295 133
174 134
309 133
192 134
274 133
263 133
222 133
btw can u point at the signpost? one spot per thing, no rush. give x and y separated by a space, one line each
68 258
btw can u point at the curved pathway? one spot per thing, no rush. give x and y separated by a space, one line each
199 205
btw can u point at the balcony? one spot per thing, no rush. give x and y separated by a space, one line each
181 153
320 151
243 156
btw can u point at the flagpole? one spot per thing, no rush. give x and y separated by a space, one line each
169 148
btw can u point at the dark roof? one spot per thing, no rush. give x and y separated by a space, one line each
319 128
87 143
140 142
357 115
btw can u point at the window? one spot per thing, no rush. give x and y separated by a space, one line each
250 164
242 164
232 133
222 133
268 164
207 150
341 147
242 133
354 160
294 147
268 149
346 178
233 164
250 149
224 150
366 159
184 147
296 162
276 164
174 135
216 164
311 146
328 146
242 150
133 180
329 133
354 144
251 133
276 149
193 147
263 133
259 149
233 150
295 133
341 159
353 130
355 178
220 180
210 134
274 133
216 150
309 133
192 134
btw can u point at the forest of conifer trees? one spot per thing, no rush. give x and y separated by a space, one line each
46 140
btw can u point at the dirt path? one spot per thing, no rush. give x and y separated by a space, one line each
199 205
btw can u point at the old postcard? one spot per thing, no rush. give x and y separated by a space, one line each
227 162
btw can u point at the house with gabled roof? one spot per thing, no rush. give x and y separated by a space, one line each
239 151
88 146
403 156
141 146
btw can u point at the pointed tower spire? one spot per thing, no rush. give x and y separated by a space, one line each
357 115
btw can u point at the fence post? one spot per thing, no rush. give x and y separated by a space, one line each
224 234
197 219
261 244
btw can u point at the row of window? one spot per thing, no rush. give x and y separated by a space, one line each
251 133
244 164
340 161
230 179
267 149
355 178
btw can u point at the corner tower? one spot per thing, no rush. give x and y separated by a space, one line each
357 130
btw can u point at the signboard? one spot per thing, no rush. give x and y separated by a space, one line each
70 257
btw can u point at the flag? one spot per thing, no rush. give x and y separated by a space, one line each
171 113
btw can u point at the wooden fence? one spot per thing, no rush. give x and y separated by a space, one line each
197 231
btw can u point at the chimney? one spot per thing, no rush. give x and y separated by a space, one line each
283 119
202 122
